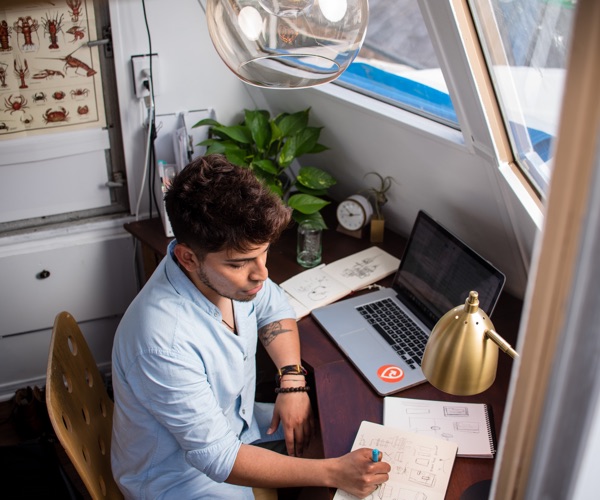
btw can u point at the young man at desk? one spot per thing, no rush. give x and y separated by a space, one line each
185 421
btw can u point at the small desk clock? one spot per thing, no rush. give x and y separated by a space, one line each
353 214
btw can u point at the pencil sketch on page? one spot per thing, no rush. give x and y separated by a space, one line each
420 465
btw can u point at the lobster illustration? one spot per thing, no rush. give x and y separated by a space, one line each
78 33
47 73
26 26
52 27
5 32
21 71
73 62
75 6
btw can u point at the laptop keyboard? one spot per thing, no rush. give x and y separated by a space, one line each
401 332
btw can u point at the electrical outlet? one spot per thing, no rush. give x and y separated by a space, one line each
141 74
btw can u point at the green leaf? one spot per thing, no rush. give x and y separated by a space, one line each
316 219
237 158
292 124
260 129
318 148
315 178
267 166
238 133
207 121
299 144
306 203
315 192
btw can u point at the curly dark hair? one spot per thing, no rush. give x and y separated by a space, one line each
214 205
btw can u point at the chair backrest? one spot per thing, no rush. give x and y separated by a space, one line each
79 407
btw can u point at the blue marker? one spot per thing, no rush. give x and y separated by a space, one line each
375 455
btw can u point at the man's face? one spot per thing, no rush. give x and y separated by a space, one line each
234 275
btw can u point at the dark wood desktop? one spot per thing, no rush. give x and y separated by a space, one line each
343 398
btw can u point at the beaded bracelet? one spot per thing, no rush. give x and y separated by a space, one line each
280 390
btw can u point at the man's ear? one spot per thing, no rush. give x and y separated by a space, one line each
186 257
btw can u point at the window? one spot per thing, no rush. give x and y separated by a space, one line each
397 63
525 44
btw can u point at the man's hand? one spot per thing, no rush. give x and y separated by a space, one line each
293 410
359 475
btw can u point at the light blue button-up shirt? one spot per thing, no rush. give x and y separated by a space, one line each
184 388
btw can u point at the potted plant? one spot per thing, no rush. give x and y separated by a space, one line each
268 146
379 195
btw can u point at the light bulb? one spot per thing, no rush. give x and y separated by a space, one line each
250 22
333 10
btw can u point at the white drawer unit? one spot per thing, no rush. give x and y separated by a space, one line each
88 272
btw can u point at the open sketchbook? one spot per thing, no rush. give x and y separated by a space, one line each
325 284
467 424
421 465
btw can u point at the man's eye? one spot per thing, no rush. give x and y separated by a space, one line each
238 265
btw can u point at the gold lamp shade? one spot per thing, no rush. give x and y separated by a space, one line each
461 355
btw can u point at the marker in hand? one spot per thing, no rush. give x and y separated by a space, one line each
375 457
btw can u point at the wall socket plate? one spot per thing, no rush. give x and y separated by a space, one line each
140 65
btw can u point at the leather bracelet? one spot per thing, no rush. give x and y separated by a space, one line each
292 369
282 390
289 370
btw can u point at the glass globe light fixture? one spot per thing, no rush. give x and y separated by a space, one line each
287 44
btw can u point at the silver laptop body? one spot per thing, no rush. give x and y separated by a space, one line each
436 273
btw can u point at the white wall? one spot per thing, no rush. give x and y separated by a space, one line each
435 170
190 74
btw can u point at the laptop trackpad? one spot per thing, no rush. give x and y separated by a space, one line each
377 350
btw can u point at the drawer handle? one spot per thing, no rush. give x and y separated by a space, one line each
42 275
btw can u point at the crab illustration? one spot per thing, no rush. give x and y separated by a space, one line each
59 95
83 110
79 93
39 97
3 126
15 103
58 115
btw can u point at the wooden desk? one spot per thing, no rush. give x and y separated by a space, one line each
343 398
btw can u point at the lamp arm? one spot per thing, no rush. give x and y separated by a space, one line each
501 343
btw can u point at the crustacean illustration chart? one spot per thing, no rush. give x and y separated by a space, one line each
49 76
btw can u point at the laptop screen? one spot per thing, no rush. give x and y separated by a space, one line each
437 272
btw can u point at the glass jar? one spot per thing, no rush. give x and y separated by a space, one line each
309 247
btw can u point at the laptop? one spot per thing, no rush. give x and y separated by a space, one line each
436 273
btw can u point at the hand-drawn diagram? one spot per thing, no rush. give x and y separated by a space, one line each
49 76
362 269
422 421
467 424
421 466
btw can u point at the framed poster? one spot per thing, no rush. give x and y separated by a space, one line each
49 77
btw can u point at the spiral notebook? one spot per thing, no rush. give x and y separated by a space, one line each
470 425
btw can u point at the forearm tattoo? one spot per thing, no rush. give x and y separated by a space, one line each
269 332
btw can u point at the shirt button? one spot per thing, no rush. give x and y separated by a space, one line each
243 411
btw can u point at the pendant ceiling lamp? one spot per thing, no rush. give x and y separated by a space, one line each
287 44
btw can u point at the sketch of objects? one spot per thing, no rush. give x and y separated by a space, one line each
361 269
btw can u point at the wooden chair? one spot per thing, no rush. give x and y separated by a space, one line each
79 407
81 411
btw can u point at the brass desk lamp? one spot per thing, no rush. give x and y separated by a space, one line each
461 355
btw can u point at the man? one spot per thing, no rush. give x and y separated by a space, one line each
185 422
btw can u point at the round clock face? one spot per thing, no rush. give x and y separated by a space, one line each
354 212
